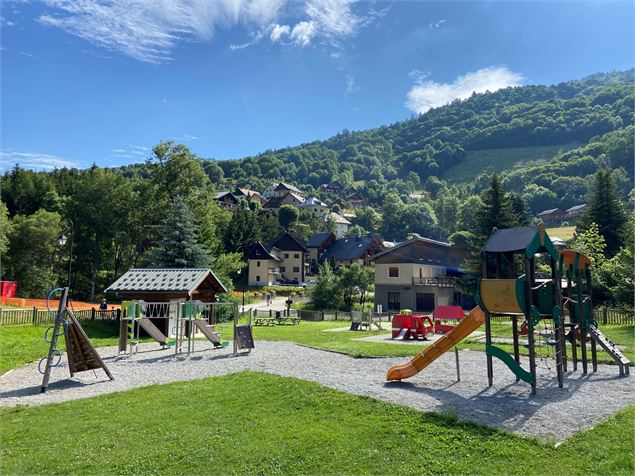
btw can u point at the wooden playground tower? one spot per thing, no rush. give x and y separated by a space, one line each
504 291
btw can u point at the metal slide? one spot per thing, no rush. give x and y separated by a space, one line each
469 324
208 331
611 349
152 330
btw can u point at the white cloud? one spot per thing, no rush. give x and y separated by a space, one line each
351 87
33 160
129 151
425 95
148 30
278 31
302 33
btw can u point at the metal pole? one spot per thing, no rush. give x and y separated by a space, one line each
70 258
458 369
61 312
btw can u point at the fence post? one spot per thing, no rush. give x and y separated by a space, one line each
336 314
34 315
119 314
604 315
92 313
270 312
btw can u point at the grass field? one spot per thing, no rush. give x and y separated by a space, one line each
498 160
563 232
253 423
23 344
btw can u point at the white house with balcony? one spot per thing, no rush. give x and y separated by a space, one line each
418 274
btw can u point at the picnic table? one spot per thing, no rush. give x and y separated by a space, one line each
287 320
264 321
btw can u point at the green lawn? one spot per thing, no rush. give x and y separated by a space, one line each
563 232
23 344
312 333
498 160
253 423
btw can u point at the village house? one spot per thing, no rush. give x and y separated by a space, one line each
282 259
352 250
553 216
270 191
341 224
419 274
249 195
574 213
288 198
356 199
227 200
164 288
315 206
317 245
283 188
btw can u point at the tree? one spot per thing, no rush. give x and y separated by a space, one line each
34 253
242 232
355 280
326 292
368 218
606 210
287 216
355 230
591 243
496 211
179 246
521 210
5 230
226 265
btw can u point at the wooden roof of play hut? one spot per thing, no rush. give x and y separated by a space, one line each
528 240
158 284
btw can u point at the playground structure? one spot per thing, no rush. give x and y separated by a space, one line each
81 353
361 320
510 287
577 270
411 326
443 314
182 322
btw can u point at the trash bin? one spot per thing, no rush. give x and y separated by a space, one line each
277 314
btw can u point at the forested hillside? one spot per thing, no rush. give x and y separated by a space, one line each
546 142
408 153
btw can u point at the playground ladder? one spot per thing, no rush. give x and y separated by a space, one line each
611 349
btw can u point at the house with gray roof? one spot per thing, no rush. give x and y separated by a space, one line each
352 250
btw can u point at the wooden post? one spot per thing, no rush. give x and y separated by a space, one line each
558 329
61 313
515 336
92 313
529 279
582 321
605 312
34 319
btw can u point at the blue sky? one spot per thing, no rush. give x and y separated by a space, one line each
96 81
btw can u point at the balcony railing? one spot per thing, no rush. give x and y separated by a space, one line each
438 281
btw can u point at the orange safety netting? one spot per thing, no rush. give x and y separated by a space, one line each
53 303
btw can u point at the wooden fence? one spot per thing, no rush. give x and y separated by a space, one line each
603 316
35 316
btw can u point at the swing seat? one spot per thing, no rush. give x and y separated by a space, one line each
526 345
552 342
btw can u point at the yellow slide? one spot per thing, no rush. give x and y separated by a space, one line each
469 324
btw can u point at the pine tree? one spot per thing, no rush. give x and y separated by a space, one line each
497 211
179 246
606 209
521 210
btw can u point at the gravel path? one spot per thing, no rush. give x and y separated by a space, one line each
553 413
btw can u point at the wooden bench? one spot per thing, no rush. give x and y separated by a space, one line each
287 320
264 321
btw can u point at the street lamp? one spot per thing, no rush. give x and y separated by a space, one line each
62 242
244 275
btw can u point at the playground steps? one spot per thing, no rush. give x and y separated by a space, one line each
610 348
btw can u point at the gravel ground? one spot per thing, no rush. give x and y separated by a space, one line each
552 413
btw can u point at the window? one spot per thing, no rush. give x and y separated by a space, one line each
350 261
286 255
296 269
258 264
258 278
296 255
393 272
282 269
394 302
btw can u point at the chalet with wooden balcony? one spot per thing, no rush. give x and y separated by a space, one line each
418 274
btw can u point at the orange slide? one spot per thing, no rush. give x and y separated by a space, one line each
469 324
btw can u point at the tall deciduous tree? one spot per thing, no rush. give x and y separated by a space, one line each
287 216
179 246
34 252
606 209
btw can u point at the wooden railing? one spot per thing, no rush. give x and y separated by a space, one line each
438 281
